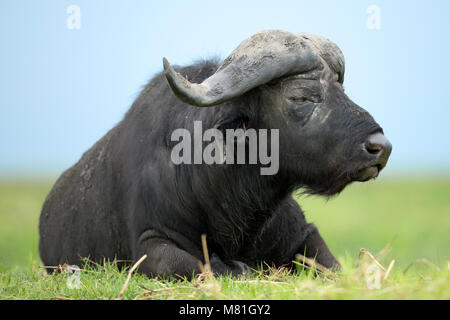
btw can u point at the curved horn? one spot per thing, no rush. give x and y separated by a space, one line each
261 58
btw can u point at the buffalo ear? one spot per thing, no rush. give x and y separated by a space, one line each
240 122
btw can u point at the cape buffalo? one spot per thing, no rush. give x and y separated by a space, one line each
126 197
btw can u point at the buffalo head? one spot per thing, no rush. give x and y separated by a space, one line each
293 82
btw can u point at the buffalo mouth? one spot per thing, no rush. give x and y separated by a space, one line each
368 173
335 186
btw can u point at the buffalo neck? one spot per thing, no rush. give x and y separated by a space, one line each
235 203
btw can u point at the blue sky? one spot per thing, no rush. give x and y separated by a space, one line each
62 89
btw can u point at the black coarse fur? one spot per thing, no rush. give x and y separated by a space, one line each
125 198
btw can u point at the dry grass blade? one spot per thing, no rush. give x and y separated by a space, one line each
123 261
161 291
50 267
207 265
383 253
304 265
206 281
16 284
260 281
62 298
61 268
322 274
120 296
171 288
388 271
364 252
145 297
424 261
206 271
312 263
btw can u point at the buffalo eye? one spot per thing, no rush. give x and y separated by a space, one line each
300 109
298 99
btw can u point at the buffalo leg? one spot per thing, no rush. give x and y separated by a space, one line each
298 236
165 259
315 247
233 268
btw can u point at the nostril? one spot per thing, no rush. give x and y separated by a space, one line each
380 148
377 144
373 148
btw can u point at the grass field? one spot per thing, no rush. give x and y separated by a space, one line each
413 214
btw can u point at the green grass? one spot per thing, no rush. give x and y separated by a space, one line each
414 213
107 281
